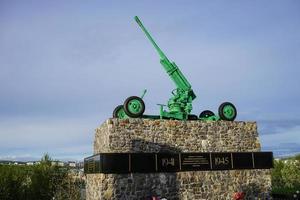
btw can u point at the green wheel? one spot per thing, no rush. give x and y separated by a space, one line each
134 106
119 112
206 114
227 111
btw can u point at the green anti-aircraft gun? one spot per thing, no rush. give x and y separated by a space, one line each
180 104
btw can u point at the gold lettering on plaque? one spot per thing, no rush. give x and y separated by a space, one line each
195 160
167 161
221 160
91 165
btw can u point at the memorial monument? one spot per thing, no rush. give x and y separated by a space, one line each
176 155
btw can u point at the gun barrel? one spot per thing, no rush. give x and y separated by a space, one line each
171 68
161 54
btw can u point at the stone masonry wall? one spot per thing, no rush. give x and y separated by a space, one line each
146 135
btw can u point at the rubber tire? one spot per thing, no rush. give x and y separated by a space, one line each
192 117
127 111
116 110
221 114
206 114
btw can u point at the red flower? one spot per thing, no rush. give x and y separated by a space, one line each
239 196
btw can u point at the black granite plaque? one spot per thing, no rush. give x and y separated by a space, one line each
221 161
168 162
115 162
263 160
195 161
242 161
145 162
92 164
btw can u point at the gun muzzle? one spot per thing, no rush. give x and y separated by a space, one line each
138 20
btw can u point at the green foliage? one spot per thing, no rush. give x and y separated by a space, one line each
297 157
13 182
41 181
277 180
45 180
291 174
69 189
286 175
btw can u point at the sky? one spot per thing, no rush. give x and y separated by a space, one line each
65 65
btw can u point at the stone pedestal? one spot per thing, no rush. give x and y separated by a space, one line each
146 135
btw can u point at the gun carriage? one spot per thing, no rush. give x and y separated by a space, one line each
180 104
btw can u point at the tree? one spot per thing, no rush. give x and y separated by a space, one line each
286 175
291 174
41 181
13 182
46 179
277 180
297 157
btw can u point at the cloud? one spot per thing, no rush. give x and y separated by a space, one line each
282 142
63 68
267 127
61 137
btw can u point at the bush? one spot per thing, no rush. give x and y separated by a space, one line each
42 181
13 182
286 176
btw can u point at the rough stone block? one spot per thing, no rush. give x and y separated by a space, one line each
146 135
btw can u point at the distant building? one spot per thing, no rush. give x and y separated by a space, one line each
10 162
58 163
71 164
80 165
29 163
